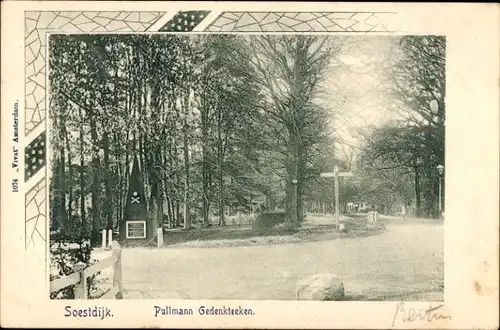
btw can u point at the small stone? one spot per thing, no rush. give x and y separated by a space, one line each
320 287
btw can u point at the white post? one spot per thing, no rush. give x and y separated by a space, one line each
103 239
371 218
110 237
160 237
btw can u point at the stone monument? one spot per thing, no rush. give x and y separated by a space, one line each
136 225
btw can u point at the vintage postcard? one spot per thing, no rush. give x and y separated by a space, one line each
249 165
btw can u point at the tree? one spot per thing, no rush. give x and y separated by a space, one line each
417 82
290 70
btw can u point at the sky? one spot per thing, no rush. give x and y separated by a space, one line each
362 86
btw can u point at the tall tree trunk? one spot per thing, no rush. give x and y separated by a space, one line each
300 183
169 212
96 207
186 185
62 215
69 186
418 196
220 172
291 184
144 175
108 201
177 213
126 167
206 204
186 165
150 164
119 174
96 183
159 189
205 168
160 202
177 187
220 197
120 179
270 205
82 172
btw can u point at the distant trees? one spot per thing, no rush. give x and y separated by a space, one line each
389 166
405 153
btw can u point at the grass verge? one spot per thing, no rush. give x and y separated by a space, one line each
246 236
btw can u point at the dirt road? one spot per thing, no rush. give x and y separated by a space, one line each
403 263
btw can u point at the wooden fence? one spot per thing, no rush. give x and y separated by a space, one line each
80 275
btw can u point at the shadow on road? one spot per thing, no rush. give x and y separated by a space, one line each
222 233
419 295
316 228
397 220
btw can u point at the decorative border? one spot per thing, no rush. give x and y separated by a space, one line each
302 22
39 23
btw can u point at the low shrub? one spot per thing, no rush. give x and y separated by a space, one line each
68 247
268 220
240 219
287 228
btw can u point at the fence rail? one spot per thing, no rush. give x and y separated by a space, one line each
80 275
64 282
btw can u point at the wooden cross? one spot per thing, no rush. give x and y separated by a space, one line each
335 174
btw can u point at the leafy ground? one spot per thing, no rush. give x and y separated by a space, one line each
403 262
244 235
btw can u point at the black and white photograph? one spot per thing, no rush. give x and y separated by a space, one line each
231 164
246 166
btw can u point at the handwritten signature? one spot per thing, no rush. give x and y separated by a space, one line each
412 314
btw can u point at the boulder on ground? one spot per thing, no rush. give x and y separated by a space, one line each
320 287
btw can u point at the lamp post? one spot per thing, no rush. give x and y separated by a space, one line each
440 169
295 183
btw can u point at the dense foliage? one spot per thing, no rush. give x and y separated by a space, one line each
69 247
402 156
